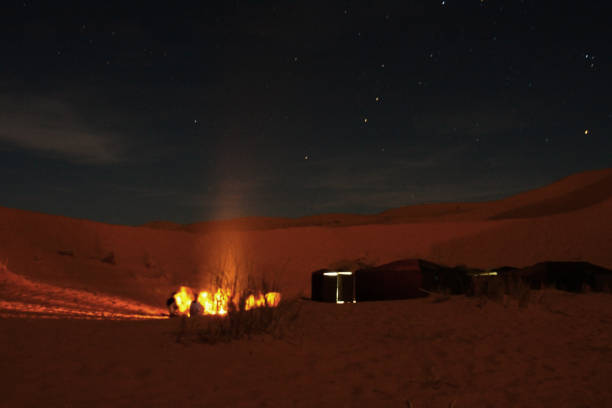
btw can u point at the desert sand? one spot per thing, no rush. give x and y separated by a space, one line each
554 352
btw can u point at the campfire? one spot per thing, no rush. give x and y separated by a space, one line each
187 302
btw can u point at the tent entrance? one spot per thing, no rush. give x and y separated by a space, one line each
344 284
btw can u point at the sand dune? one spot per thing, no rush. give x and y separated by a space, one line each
148 263
571 194
568 194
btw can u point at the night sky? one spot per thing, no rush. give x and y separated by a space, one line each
126 113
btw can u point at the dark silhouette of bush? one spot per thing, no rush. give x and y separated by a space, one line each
110 259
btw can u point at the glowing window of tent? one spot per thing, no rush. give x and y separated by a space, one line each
340 286
490 273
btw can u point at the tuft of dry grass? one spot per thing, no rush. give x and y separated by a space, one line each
499 288
277 322
110 259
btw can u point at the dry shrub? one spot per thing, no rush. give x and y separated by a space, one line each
110 259
488 288
443 295
149 261
518 289
233 271
277 322
498 288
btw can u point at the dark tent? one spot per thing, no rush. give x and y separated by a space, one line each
505 270
409 278
570 276
403 279
333 286
396 280
415 278
438 278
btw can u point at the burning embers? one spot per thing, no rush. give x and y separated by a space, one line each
185 302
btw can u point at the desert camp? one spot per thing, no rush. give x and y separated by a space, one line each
413 278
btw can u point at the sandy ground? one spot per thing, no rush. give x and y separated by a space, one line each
555 352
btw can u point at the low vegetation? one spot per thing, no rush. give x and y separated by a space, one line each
499 289
110 258
276 321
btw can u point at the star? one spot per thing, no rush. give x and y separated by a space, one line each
378 99
306 157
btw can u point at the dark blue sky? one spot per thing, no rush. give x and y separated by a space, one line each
127 113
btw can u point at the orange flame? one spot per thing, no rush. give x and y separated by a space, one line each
271 299
183 300
215 304
218 303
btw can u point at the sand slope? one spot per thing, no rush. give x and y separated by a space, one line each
568 194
